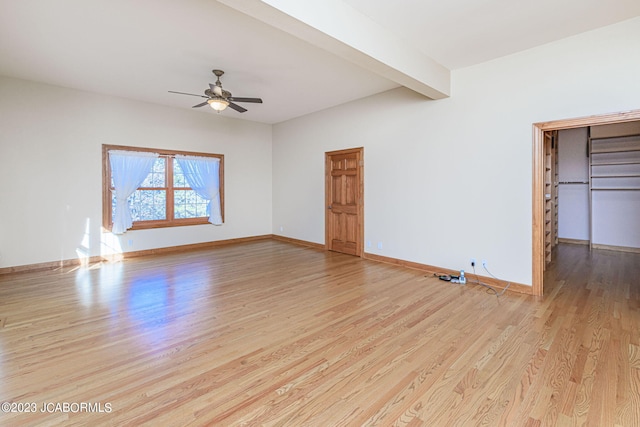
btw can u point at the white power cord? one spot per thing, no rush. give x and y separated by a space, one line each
494 290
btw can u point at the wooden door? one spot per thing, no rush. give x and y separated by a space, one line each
344 225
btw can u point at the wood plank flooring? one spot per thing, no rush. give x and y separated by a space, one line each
269 333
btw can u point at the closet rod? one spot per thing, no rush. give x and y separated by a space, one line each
573 182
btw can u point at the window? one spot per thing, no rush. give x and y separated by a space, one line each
164 199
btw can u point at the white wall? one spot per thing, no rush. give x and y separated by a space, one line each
573 199
51 174
615 218
615 214
451 179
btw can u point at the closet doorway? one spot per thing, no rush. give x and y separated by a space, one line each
545 180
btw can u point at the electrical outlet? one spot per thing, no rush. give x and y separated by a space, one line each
379 245
281 228
484 262
368 243
473 262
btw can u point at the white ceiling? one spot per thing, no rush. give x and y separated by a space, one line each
460 33
141 49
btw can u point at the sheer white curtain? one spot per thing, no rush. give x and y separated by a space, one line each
202 174
128 170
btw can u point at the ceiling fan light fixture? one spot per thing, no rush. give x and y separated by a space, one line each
218 104
219 99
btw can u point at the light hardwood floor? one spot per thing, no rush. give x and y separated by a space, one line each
269 333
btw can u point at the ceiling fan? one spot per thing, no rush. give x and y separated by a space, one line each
218 98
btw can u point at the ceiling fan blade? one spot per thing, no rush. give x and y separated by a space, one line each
201 105
192 94
238 99
236 107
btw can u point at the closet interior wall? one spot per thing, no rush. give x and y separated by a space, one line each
573 191
615 186
599 186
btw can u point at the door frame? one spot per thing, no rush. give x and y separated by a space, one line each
538 180
327 198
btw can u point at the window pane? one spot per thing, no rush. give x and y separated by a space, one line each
178 176
157 176
180 212
189 205
179 197
113 206
148 205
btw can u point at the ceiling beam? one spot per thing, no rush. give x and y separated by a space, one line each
342 30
